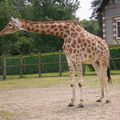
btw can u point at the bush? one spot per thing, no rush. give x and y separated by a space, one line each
50 63
115 53
114 60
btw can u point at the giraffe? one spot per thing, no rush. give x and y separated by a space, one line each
80 47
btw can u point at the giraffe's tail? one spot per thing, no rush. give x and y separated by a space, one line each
108 74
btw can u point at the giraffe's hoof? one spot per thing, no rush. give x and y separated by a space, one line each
80 106
99 100
70 105
108 101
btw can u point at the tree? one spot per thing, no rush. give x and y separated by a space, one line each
95 4
37 10
91 26
7 9
50 10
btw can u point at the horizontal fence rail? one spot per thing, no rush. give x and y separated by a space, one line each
39 63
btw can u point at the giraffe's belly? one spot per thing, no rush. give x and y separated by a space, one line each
80 57
89 59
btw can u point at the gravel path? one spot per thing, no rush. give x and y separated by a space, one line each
51 104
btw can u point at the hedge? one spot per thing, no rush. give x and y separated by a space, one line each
115 63
49 62
114 59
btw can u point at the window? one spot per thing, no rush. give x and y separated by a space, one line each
113 1
118 29
117 1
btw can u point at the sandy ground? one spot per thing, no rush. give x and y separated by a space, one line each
51 104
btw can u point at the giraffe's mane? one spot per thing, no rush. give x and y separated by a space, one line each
51 21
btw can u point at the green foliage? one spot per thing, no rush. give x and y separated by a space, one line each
53 9
114 59
91 26
7 9
49 10
50 63
32 81
25 44
115 53
34 10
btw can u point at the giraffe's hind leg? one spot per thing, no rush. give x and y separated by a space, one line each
103 74
96 66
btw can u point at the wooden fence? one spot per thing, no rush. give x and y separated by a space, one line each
22 65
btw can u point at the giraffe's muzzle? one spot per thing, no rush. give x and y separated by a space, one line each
1 34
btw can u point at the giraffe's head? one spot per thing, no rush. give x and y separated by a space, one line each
13 26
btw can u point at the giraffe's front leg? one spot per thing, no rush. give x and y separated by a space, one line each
80 84
72 84
73 93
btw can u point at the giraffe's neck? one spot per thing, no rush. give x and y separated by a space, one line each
56 28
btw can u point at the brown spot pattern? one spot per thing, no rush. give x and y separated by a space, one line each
78 29
77 40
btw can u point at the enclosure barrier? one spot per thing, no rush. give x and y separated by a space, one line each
39 63
4 66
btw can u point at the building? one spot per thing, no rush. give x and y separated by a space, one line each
110 12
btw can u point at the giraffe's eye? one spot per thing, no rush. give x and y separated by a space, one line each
9 25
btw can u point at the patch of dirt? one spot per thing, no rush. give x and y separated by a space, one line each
51 104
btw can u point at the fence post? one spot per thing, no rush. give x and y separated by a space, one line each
4 67
83 68
21 66
39 64
112 62
60 63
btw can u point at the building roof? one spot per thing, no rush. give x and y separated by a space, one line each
102 5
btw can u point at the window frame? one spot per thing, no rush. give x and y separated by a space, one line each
116 1
117 37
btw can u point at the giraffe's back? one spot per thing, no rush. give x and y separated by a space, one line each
95 50
86 47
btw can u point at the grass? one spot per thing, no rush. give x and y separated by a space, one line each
4 115
32 81
55 74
